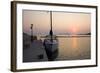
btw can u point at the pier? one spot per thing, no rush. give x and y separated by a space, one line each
35 52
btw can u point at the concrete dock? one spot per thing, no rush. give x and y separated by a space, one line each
35 52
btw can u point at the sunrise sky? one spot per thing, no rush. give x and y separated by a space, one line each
63 22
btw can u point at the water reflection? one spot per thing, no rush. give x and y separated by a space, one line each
74 48
74 43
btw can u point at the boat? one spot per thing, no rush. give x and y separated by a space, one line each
51 44
51 48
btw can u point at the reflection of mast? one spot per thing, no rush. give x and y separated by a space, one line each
31 32
51 32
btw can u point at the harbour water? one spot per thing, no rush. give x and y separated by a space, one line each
74 47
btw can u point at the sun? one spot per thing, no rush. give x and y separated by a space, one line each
73 30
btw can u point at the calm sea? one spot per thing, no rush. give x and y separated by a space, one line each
74 48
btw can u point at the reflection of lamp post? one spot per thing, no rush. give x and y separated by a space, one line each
31 32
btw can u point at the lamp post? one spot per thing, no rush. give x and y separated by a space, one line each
31 32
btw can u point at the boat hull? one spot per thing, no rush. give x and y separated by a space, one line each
51 49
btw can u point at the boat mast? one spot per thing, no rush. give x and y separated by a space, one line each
51 32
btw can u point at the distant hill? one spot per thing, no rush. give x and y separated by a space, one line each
26 37
85 34
26 40
88 34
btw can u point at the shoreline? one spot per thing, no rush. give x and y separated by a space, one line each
68 36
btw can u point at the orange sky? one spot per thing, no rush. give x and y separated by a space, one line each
63 22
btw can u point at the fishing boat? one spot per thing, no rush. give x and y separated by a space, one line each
51 43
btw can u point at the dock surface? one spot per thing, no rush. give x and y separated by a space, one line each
35 52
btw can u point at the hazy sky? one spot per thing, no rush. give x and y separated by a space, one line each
63 22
